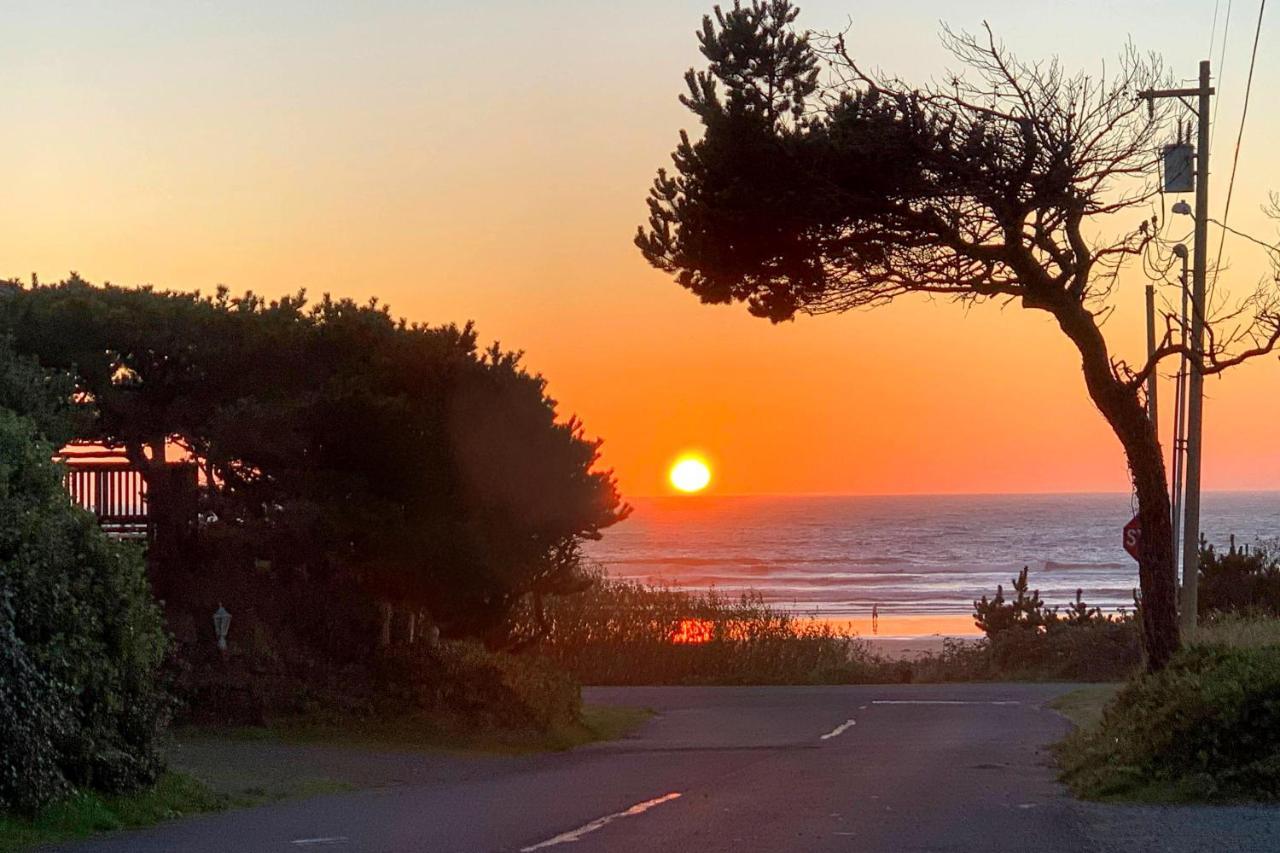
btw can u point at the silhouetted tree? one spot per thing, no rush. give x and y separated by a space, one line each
818 187
333 438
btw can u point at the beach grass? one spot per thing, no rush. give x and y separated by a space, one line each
1237 631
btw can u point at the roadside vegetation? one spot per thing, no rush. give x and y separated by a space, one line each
81 639
87 812
1205 728
623 632
374 502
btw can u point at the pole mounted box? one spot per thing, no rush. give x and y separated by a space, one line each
1179 168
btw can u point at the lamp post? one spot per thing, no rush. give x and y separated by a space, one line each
221 624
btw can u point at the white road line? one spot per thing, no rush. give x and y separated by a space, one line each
942 702
332 839
598 823
838 730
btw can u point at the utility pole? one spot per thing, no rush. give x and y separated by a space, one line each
1153 410
1195 402
1180 406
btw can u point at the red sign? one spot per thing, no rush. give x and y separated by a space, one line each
1133 537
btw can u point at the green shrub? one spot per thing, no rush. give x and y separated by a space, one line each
82 640
487 689
1240 580
1026 639
33 720
1205 727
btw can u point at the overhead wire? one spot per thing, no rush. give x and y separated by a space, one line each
1222 61
1235 159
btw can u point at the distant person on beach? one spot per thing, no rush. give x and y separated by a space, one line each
875 618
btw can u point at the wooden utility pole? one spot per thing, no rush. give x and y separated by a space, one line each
1153 409
1195 401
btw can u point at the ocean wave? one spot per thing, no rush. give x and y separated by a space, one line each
1055 565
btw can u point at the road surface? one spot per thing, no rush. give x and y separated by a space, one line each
857 768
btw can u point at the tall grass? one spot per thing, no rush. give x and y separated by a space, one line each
622 632
1236 630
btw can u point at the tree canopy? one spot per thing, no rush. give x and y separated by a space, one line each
334 438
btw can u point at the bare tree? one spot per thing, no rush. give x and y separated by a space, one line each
819 186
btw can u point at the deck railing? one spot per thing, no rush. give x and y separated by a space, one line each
115 493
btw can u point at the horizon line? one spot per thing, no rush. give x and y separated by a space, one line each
1264 491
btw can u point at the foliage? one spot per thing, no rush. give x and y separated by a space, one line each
998 616
1077 643
334 439
1238 630
488 689
82 640
1206 727
86 812
1242 580
622 632
42 396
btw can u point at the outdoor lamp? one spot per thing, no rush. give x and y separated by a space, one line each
221 622
1183 208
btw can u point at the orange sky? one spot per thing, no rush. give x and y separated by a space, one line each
491 164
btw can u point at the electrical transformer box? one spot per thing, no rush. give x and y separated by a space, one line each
1179 168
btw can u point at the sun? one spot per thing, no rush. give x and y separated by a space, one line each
690 474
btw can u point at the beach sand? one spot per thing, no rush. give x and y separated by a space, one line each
898 636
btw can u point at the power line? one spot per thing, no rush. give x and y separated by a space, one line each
1213 30
1244 114
1222 60
1274 249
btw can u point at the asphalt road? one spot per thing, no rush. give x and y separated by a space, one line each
866 768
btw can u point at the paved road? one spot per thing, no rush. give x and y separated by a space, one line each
867 768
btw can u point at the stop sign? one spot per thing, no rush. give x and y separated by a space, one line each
1133 537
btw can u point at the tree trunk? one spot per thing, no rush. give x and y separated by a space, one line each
1121 406
384 635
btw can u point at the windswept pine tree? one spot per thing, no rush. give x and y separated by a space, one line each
818 187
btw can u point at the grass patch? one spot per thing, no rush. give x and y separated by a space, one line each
1237 632
437 732
1084 707
83 814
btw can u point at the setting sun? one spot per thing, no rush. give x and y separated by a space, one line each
690 474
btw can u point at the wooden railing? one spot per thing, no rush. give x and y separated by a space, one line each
115 493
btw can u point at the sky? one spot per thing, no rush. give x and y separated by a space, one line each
488 161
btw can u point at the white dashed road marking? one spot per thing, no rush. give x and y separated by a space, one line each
838 730
941 702
600 822
332 839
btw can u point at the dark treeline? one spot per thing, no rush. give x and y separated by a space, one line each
334 442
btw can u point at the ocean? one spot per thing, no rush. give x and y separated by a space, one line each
906 555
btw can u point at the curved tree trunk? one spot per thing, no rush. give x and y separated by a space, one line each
1124 411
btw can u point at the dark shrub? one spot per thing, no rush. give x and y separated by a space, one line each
1241 580
33 721
82 639
486 689
1207 726
1026 639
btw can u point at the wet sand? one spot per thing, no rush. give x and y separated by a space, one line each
897 636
